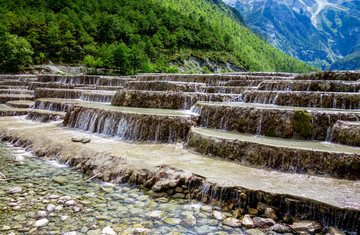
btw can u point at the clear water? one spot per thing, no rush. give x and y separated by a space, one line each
121 207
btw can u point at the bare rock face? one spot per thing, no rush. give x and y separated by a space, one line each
306 227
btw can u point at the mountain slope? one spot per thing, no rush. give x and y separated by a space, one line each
350 62
139 35
316 31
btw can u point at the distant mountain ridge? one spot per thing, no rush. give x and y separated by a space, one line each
318 32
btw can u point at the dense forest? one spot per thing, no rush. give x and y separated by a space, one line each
132 36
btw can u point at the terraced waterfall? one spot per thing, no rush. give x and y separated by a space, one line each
242 153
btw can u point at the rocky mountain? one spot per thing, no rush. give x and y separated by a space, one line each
318 32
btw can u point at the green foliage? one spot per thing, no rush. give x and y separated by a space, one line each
138 36
15 52
302 123
205 70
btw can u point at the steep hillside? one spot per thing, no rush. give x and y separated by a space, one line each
316 31
350 62
133 36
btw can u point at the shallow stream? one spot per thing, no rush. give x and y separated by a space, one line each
65 201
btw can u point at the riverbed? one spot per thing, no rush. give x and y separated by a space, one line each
46 197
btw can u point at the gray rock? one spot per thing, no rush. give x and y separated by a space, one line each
218 215
85 140
141 231
334 231
94 232
70 203
261 222
172 221
155 214
76 139
53 196
255 232
306 226
232 222
279 228
15 190
60 179
190 219
204 229
248 222
5 228
50 207
108 231
64 217
19 158
270 213
41 222
71 233
206 208
41 214
136 211
58 208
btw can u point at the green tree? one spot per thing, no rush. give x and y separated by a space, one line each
121 58
15 52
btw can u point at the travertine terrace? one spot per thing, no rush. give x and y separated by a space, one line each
243 142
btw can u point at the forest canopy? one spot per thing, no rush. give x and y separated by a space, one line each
132 36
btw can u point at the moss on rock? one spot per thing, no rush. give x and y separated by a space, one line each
302 123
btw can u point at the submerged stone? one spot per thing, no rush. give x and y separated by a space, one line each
15 190
60 179
41 222
232 222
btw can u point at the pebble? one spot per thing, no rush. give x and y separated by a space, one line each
41 222
218 215
108 231
172 221
76 209
15 190
71 233
232 222
60 179
142 231
53 196
5 228
58 208
334 231
19 158
206 208
270 213
41 214
261 222
50 207
156 214
279 228
190 219
64 217
70 203
247 222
